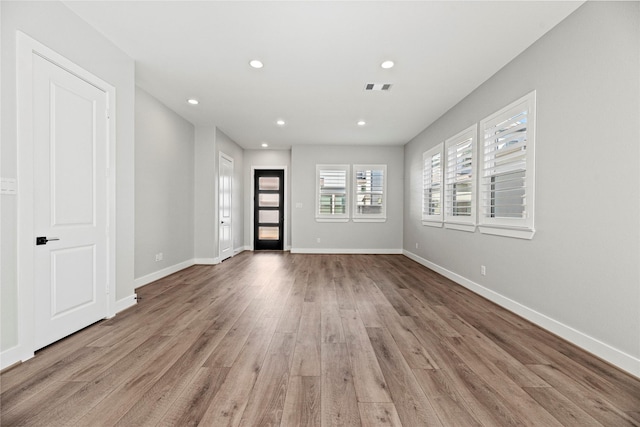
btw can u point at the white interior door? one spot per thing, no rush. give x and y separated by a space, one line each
70 134
225 180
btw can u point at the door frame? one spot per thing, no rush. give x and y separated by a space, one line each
26 48
279 243
222 155
285 189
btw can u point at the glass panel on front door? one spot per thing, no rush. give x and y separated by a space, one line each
268 183
268 200
268 233
268 216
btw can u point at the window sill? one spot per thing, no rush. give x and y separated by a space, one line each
332 219
518 233
461 227
369 219
432 223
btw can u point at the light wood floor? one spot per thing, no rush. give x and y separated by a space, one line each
303 340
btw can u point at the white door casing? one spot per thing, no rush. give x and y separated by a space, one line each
66 175
225 210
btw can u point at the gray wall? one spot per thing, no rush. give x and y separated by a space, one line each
226 145
265 159
164 182
54 25
206 167
344 236
580 271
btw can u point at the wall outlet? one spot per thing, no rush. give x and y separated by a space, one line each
159 256
417 245
483 270
318 240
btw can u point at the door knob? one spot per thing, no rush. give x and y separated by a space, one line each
43 240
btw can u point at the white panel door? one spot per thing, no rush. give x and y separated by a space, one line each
225 180
70 202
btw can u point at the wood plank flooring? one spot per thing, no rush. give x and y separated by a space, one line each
280 339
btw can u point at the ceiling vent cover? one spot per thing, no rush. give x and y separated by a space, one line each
378 86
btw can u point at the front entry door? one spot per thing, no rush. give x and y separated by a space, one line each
70 134
269 209
225 184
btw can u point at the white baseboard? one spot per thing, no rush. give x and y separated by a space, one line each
14 355
124 303
604 351
346 251
152 277
236 251
206 261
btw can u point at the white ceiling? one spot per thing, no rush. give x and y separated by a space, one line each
318 57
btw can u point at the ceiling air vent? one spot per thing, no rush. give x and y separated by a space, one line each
378 86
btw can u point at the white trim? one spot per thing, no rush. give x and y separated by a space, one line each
612 355
347 193
332 219
286 203
437 224
157 275
346 251
360 217
459 222
523 228
14 355
26 47
428 219
206 261
124 303
518 233
222 155
461 227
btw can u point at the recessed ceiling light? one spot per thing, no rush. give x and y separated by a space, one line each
387 64
193 101
361 123
265 145
280 122
256 63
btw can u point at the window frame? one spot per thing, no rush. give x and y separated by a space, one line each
451 221
518 227
428 219
342 217
362 217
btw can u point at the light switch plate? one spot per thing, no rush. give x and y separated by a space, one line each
8 186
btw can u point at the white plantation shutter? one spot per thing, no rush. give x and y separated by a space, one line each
432 186
507 170
370 196
332 192
460 180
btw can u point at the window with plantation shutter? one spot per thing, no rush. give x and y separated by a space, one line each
369 190
507 170
332 202
460 180
432 187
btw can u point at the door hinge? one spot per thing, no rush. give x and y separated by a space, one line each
107 288
107 113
